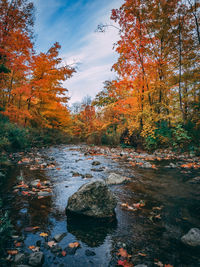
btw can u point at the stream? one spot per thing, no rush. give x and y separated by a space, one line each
151 234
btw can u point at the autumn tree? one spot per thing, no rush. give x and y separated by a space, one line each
158 65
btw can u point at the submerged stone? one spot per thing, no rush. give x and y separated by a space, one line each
36 259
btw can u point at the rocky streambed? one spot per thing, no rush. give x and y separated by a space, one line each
157 204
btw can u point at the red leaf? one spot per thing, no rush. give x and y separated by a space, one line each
64 253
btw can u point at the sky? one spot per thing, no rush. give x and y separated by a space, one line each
72 23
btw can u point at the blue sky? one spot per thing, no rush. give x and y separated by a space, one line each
73 23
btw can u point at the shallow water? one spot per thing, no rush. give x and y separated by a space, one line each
138 231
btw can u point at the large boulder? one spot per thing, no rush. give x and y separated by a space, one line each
115 178
36 259
192 238
93 199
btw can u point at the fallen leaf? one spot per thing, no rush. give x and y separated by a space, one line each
40 197
18 244
154 167
139 204
31 247
22 185
30 228
122 252
142 254
158 216
44 234
12 252
51 243
25 193
36 227
64 253
74 245
38 185
16 190
157 208
168 265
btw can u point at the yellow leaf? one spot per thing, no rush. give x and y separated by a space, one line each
44 234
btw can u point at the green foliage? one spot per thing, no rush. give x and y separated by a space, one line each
47 137
181 139
12 137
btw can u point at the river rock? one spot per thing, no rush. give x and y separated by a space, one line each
96 163
98 170
44 194
35 182
146 165
115 178
93 199
36 259
59 237
19 258
192 238
2 175
195 180
141 265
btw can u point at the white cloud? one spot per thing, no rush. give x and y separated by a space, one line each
95 60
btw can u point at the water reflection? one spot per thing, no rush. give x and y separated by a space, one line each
90 231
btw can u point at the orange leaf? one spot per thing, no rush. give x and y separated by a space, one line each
31 247
122 252
24 193
18 244
74 245
44 234
12 252
142 254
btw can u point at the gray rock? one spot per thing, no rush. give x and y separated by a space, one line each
96 163
2 175
115 178
195 180
172 165
141 265
146 165
192 238
36 259
93 199
76 174
98 170
35 182
19 258
87 175
59 237
44 194
22 265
